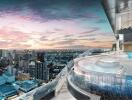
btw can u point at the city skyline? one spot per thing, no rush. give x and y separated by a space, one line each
58 24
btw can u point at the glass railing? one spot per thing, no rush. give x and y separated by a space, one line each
86 81
83 80
98 82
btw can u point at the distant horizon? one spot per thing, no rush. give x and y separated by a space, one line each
48 24
58 49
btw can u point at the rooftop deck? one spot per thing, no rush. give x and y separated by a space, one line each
7 90
107 73
64 94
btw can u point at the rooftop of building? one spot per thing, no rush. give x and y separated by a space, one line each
7 90
114 63
26 85
10 87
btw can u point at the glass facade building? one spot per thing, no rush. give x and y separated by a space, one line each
119 13
120 16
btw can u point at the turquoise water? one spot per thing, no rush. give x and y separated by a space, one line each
129 55
2 98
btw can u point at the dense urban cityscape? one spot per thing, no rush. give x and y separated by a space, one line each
24 70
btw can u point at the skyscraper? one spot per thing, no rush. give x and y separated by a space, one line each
120 16
32 69
41 70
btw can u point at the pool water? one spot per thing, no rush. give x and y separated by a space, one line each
129 55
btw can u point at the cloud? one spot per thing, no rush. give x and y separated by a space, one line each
3 43
13 35
43 38
91 31
49 9
20 46
53 23
64 42
68 36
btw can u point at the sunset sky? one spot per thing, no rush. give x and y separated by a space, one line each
53 24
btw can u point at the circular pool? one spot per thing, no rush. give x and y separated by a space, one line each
103 74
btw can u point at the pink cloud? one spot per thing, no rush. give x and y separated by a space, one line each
9 34
24 32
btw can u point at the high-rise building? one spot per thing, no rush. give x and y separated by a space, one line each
42 72
5 53
120 16
38 69
32 69
41 56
